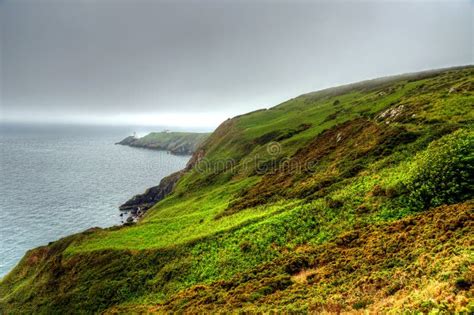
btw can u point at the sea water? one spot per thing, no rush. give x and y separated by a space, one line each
58 180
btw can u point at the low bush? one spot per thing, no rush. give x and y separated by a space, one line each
444 173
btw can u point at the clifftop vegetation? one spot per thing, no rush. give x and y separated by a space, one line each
347 199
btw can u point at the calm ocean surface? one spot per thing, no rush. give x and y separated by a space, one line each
59 180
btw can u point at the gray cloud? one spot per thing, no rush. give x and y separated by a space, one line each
124 61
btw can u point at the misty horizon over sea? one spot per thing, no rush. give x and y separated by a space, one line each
60 179
10 126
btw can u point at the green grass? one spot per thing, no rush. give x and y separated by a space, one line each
175 222
231 226
167 137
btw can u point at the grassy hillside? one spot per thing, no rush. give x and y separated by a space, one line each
174 142
347 199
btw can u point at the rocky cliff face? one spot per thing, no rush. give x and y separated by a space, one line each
139 204
365 206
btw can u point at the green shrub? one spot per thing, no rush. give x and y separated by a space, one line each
444 173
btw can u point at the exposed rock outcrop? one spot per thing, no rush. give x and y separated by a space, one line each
139 204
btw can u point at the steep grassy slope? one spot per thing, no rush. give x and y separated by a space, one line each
358 197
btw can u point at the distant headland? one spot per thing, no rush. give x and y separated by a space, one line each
179 143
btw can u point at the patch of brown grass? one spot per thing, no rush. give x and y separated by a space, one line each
414 264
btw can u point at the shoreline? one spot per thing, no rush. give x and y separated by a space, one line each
147 147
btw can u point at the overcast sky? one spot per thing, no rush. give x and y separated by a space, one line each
196 63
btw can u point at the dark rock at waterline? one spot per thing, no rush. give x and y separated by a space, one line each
142 202
139 204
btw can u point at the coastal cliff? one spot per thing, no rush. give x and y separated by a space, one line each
139 204
179 143
355 199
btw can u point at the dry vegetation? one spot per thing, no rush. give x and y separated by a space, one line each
364 204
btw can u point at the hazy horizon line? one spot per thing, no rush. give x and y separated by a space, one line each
189 118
